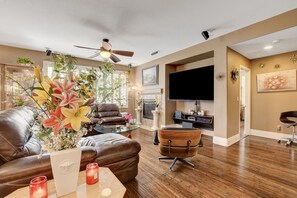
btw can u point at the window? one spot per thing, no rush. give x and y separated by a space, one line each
111 88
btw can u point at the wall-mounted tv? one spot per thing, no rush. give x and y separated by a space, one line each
194 84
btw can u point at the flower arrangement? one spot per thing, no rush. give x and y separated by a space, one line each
128 117
156 100
138 99
61 105
63 111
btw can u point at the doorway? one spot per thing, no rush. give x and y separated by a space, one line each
244 104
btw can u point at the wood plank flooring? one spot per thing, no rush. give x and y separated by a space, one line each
254 167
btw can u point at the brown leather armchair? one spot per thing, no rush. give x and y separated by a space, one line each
20 158
107 114
178 143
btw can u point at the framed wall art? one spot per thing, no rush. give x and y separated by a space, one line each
150 76
277 81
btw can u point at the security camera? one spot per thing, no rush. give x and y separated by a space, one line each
48 52
205 34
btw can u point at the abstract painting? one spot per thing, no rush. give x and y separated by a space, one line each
277 81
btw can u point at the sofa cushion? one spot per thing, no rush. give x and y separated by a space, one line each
108 114
113 148
16 139
107 107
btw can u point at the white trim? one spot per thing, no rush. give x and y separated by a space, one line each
233 139
226 142
151 91
219 140
207 132
247 115
269 134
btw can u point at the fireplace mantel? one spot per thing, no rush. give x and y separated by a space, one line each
151 91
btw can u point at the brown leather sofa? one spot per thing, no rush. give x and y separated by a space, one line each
20 160
107 114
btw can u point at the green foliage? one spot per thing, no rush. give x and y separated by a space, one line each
63 63
107 67
86 83
23 60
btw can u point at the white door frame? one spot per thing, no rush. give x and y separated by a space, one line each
247 112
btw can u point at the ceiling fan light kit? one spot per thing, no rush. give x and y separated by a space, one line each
105 51
105 54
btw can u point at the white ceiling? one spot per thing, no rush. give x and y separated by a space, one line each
136 25
287 42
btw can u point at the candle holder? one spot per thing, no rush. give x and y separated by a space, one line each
92 173
38 187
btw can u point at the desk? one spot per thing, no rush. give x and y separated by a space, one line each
108 186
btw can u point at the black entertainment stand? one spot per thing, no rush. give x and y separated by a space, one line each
204 122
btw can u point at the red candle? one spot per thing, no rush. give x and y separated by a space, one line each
38 187
92 173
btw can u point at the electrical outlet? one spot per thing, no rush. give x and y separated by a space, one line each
278 128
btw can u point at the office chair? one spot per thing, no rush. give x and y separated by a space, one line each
289 123
178 143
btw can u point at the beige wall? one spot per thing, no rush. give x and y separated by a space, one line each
9 55
235 60
219 46
170 105
266 107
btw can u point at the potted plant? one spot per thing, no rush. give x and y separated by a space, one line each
24 61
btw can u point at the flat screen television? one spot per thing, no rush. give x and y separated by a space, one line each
194 84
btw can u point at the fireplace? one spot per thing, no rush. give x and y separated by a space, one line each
148 107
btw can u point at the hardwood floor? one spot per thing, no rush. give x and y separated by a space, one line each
254 167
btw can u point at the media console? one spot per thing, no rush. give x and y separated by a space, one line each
204 122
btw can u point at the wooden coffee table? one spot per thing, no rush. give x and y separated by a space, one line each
108 186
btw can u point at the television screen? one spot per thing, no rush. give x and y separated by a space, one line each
194 84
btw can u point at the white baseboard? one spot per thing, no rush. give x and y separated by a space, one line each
226 142
269 134
207 132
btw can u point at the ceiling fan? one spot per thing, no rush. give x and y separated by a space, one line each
106 52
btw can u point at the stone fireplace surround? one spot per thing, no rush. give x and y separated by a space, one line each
148 97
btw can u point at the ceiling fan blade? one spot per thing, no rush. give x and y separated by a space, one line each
114 58
106 45
86 47
123 53
95 55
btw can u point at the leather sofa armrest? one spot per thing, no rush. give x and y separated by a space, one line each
23 167
38 165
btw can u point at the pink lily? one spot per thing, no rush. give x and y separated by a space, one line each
54 121
68 98
65 87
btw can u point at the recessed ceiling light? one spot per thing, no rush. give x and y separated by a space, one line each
268 47
275 41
